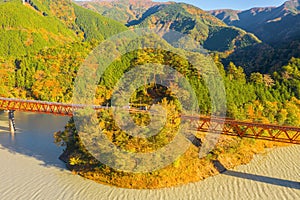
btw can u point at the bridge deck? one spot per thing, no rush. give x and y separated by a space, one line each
287 134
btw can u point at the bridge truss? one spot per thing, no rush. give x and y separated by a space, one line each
286 134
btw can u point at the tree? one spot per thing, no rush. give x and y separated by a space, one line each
269 82
256 78
236 73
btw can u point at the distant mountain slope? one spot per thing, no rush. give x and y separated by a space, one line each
271 24
211 32
264 58
120 10
226 15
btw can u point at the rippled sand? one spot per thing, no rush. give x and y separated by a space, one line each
274 176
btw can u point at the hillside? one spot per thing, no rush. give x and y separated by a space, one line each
277 27
87 24
42 45
120 10
61 9
206 29
264 58
28 30
212 33
39 24
270 24
95 26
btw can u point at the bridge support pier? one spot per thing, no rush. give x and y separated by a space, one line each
11 121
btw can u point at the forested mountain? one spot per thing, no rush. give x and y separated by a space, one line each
38 24
36 70
277 27
120 10
95 26
204 28
43 43
25 30
212 33
264 58
270 24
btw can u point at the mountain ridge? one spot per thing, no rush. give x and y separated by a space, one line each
186 19
266 22
120 10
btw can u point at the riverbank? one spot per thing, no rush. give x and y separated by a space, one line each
230 152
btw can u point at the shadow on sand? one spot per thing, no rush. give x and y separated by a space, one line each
253 177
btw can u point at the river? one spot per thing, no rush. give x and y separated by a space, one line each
30 169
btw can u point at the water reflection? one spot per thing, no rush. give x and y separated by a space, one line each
34 136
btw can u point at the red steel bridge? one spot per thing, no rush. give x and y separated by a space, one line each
286 134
